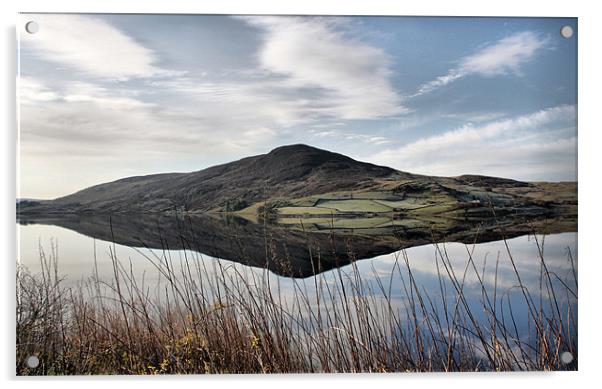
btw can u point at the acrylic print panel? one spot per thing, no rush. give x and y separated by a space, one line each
275 194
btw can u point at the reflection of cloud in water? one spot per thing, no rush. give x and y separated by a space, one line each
386 272
76 258
391 272
524 251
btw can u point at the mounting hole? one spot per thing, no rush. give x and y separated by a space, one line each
33 362
566 32
32 27
566 357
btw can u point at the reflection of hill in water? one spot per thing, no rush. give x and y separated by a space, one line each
285 251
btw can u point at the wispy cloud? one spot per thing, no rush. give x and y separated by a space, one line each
496 148
92 46
81 116
102 134
475 117
351 136
501 274
308 72
230 105
32 91
354 77
506 56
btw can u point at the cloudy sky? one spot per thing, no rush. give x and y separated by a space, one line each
108 96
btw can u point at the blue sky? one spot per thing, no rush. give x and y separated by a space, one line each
108 96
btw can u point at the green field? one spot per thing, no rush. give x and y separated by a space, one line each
369 211
409 203
355 206
393 205
284 211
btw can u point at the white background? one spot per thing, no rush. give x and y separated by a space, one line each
590 240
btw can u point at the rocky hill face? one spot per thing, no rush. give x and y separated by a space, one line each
285 172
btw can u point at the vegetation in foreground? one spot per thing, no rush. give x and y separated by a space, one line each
224 320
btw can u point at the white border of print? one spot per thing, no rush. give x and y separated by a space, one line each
589 183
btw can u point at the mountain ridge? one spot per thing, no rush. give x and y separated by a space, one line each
309 180
292 170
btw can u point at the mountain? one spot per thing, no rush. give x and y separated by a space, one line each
288 171
300 180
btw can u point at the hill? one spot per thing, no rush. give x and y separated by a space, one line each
288 171
297 181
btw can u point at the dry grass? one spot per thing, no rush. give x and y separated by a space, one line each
227 320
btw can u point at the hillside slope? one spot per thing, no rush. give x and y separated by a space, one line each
285 172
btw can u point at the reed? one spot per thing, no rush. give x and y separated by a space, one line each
208 317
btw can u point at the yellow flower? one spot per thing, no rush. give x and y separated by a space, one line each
254 342
164 365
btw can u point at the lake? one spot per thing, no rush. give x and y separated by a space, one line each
495 272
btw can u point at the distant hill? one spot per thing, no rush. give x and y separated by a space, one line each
288 171
304 179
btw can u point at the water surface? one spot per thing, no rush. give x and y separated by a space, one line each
486 270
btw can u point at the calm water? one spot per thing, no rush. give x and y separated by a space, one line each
76 255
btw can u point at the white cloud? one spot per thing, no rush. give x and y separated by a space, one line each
503 57
92 46
475 117
350 136
84 92
230 105
98 134
84 116
525 147
506 56
495 267
313 53
32 91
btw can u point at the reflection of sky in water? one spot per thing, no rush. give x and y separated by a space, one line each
76 263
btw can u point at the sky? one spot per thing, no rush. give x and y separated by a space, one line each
102 97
